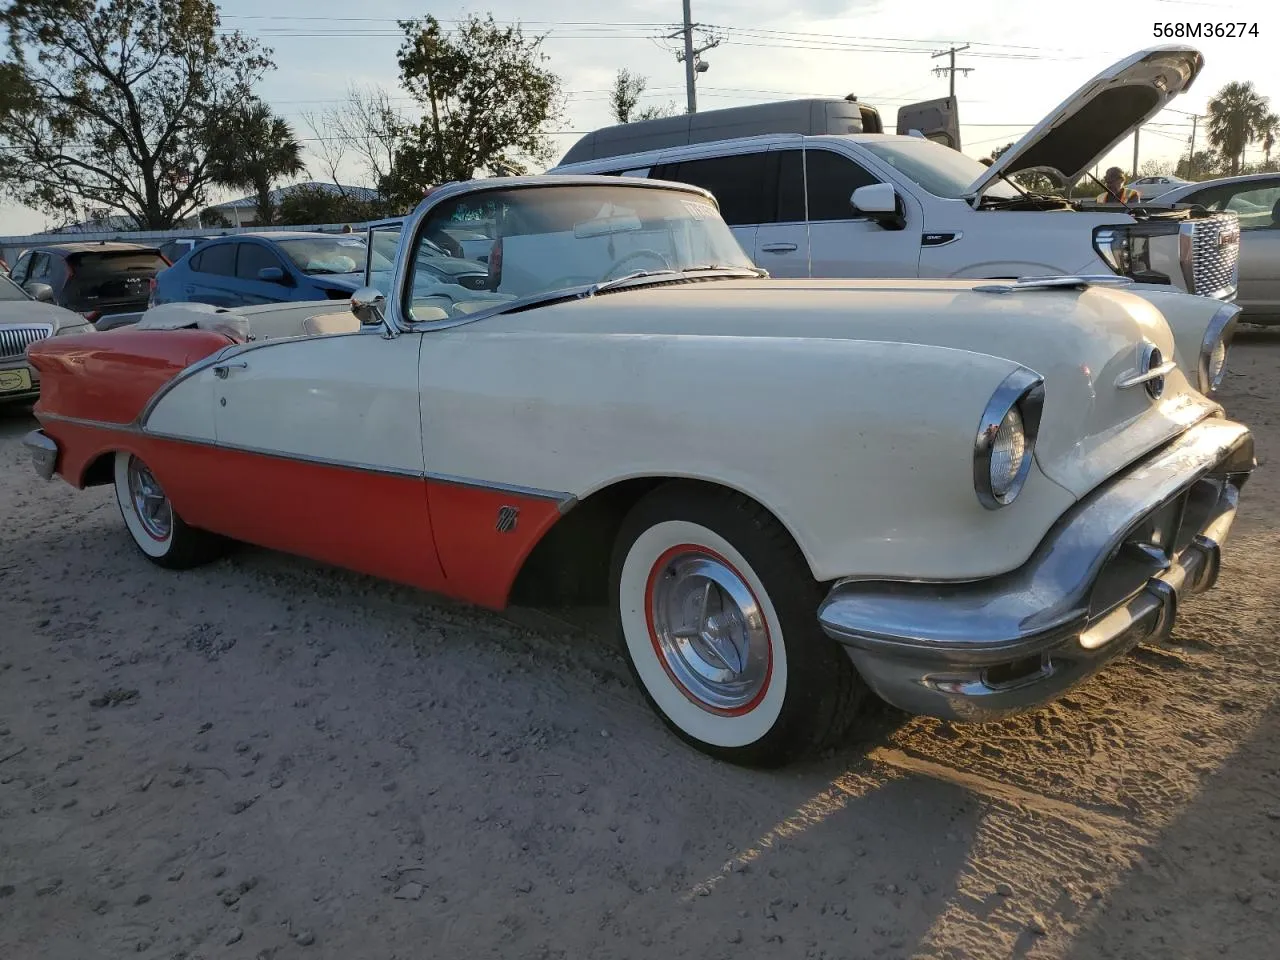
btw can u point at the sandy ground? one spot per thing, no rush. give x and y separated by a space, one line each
268 758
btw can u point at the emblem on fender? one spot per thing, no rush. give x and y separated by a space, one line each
507 517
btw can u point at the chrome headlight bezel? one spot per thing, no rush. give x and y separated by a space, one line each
1221 329
1021 392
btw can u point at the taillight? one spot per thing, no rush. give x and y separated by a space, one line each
92 315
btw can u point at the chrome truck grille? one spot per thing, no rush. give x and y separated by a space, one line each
15 340
1211 255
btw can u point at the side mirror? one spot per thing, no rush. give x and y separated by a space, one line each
40 291
879 202
368 304
271 275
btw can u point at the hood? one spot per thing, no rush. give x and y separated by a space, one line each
1083 342
23 312
1089 123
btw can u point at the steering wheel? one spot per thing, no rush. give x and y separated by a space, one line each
616 270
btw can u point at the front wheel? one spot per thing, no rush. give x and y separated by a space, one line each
717 611
154 524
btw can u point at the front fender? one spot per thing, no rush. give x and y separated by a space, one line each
1191 318
862 449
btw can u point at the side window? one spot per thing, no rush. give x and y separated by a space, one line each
737 183
19 271
790 186
832 178
218 258
380 264
252 257
1257 206
41 267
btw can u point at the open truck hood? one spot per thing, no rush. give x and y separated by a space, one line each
1089 123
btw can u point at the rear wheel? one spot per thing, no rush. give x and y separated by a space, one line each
717 610
155 526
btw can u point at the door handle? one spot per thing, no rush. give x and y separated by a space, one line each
778 247
223 370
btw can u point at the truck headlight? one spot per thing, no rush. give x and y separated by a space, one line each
1004 448
1127 251
1212 366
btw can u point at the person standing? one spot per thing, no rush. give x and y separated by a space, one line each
1117 192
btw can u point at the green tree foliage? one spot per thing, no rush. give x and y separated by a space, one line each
108 103
486 97
1237 117
1032 182
624 99
251 148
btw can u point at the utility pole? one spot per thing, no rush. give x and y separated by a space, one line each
939 71
690 91
693 63
1135 152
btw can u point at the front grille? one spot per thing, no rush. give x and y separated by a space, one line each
15 340
1215 255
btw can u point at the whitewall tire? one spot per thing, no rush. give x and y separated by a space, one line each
155 526
717 612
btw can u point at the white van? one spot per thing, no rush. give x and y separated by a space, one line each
879 205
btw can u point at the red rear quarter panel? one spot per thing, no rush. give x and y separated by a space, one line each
110 376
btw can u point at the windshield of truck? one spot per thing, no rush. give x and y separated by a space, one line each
940 170
535 241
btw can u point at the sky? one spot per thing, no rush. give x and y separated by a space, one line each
1025 58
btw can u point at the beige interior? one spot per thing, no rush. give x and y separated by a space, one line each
326 323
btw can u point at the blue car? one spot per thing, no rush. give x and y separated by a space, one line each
254 268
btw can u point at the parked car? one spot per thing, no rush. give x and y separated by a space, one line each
265 267
1255 199
175 249
107 282
963 496
1149 188
880 205
25 320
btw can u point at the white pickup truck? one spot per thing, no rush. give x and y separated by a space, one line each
879 205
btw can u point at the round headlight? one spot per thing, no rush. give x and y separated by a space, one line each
1006 440
1008 450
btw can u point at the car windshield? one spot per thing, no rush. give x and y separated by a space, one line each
535 241
321 255
940 170
10 290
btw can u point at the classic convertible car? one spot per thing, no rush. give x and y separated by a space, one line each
963 496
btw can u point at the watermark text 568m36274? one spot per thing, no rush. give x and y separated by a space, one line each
1195 30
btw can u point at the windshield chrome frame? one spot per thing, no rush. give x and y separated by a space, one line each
415 226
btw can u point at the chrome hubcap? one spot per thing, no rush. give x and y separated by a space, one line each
149 502
709 631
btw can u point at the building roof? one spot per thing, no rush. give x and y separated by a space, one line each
250 203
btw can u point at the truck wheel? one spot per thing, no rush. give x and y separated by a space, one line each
155 526
717 612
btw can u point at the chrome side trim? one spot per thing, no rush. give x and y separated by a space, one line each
1024 389
564 500
1052 283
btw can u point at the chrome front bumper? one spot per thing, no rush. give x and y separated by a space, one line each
1108 576
44 452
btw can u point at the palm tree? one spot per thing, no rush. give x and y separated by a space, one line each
1236 114
1267 131
250 149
